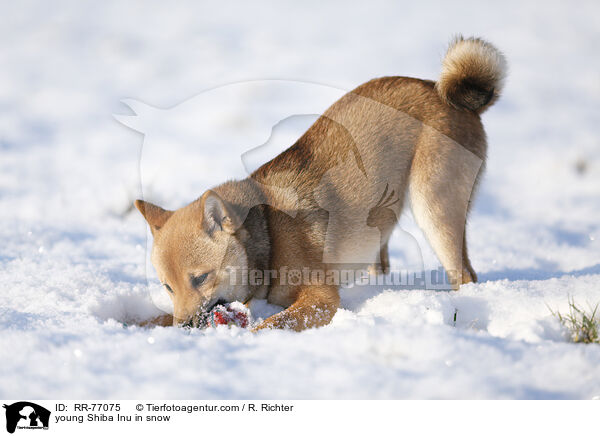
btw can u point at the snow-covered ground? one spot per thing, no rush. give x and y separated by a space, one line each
73 263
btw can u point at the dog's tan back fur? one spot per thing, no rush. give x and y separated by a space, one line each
388 137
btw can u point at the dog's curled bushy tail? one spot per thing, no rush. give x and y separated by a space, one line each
473 72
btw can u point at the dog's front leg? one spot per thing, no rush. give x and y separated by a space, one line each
165 320
314 307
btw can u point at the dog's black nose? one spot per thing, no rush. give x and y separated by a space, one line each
219 302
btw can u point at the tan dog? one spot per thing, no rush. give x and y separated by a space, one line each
389 136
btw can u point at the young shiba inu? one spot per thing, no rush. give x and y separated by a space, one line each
331 200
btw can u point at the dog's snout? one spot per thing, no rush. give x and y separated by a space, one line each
219 302
183 322
198 320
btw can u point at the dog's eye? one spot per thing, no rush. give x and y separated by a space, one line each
197 281
168 288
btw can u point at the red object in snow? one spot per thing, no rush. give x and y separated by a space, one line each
230 314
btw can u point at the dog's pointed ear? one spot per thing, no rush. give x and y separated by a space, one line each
217 215
155 215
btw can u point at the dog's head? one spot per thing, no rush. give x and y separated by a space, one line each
198 255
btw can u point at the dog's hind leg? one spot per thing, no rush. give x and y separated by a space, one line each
384 258
383 266
467 262
442 179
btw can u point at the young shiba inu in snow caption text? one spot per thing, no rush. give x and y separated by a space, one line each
349 173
